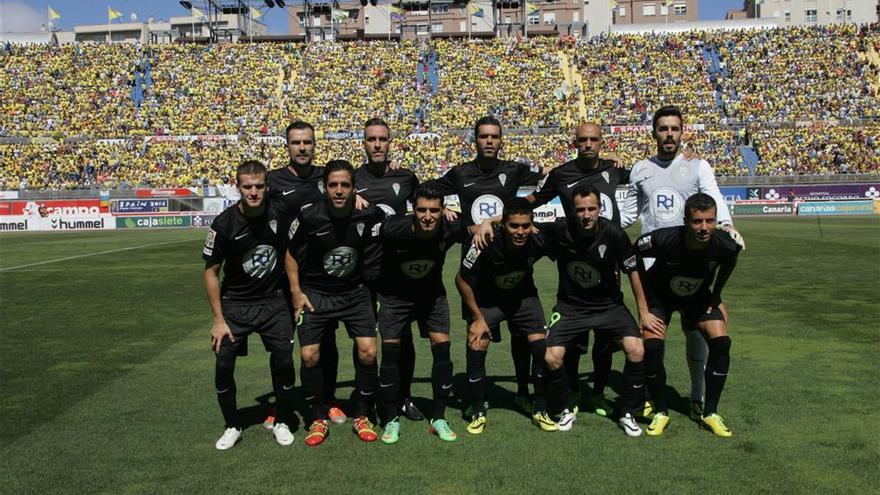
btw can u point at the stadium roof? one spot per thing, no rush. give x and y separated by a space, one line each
28 38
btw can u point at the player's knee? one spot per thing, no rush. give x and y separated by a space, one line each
224 370
366 354
554 357
720 347
634 349
438 338
311 356
281 361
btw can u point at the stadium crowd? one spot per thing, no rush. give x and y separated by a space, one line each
253 90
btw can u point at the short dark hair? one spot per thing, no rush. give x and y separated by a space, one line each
429 191
250 167
376 121
586 190
487 120
699 202
516 206
297 124
668 111
336 166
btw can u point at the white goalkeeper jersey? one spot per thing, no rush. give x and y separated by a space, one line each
658 189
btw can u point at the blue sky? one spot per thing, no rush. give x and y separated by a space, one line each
24 15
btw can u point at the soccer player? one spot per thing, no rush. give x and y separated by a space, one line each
589 250
588 170
496 284
297 184
483 185
324 266
411 289
657 191
390 189
246 240
687 260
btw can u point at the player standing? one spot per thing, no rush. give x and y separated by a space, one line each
656 195
246 240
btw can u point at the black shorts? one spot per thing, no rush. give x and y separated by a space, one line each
395 313
692 309
270 318
568 324
524 315
354 308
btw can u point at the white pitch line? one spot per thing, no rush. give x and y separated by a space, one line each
79 256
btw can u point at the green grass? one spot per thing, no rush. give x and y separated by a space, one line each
106 379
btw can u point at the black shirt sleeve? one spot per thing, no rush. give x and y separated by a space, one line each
546 191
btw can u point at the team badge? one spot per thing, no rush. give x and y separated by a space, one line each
273 224
606 177
396 188
503 179
360 229
602 250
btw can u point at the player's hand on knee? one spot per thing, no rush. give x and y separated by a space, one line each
219 331
360 203
651 325
477 332
734 234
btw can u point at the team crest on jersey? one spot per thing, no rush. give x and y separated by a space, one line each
259 261
341 261
606 176
273 224
583 274
360 229
503 179
602 250
417 269
684 286
510 280
396 188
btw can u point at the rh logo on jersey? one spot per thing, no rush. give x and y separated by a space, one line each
684 286
509 280
259 261
486 206
666 204
583 274
416 269
341 261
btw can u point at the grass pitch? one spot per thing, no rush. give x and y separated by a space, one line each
106 379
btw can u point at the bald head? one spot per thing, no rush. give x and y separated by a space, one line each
588 140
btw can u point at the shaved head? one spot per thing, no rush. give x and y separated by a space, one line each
589 142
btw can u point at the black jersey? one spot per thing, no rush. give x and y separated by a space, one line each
679 272
498 275
565 179
331 251
482 193
413 267
389 191
588 265
295 190
251 250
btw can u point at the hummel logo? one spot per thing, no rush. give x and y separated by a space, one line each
285 193
474 380
573 183
242 236
469 184
319 234
358 191
446 387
